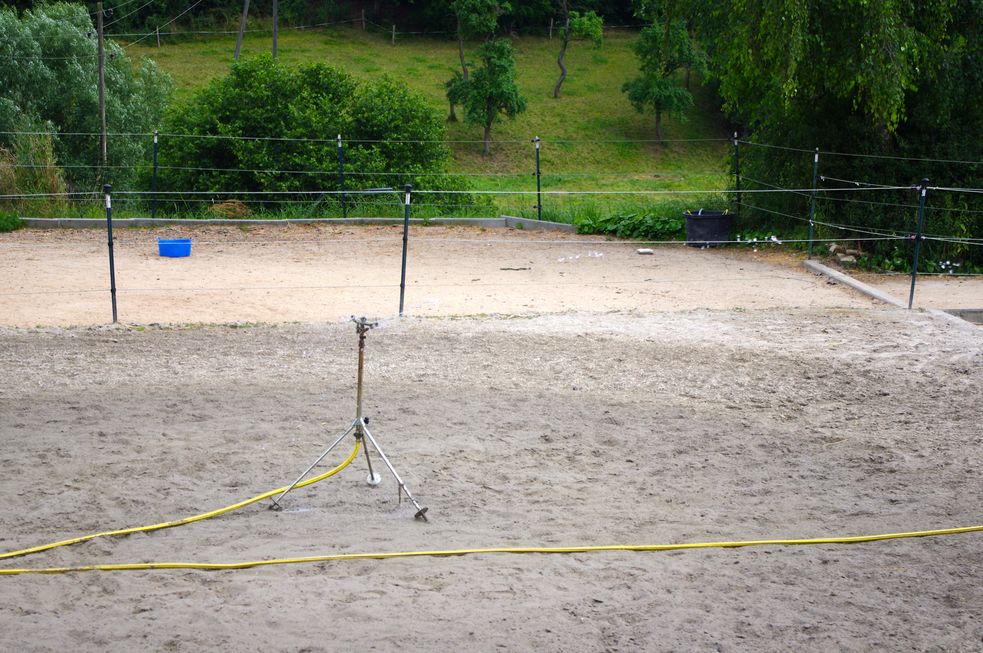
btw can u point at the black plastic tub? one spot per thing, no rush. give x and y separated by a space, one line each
708 228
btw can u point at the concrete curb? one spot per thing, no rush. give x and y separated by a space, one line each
500 222
846 280
972 315
969 318
538 225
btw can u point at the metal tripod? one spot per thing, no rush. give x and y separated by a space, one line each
359 427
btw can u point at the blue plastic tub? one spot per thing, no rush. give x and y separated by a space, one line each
174 248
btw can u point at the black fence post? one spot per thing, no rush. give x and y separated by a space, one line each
737 175
923 191
153 183
812 202
406 231
107 189
341 177
539 187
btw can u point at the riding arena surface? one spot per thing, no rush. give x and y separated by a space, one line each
597 397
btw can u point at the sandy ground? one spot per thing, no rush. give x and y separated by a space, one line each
317 273
599 425
931 291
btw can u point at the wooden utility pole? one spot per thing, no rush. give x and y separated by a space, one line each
103 140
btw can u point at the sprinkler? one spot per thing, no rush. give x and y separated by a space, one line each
359 430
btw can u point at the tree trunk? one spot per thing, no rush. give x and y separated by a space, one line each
658 125
559 60
452 116
460 51
565 11
487 149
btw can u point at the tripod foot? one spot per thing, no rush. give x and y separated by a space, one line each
422 514
373 479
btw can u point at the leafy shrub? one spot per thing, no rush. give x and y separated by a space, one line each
894 259
641 225
29 168
9 221
271 127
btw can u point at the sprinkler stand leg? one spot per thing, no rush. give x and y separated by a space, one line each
421 512
276 501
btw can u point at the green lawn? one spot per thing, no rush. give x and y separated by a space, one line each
592 137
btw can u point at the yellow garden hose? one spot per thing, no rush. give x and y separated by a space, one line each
186 520
215 566
209 566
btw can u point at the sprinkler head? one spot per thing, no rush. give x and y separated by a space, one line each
362 325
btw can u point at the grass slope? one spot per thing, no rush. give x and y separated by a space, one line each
586 134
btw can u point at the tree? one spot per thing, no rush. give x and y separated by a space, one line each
492 90
49 82
474 18
662 49
588 25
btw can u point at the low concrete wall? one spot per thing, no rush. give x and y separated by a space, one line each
504 221
528 223
846 280
974 315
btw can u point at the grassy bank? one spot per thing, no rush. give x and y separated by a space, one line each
592 138
585 131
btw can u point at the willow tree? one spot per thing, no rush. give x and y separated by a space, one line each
774 59
895 79
49 82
